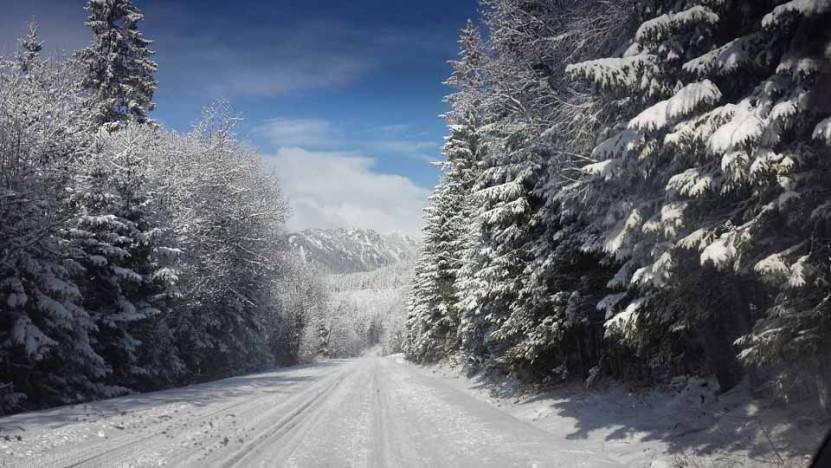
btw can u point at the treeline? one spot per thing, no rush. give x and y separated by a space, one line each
131 257
348 313
635 189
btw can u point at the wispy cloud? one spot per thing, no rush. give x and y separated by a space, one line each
300 56
306 133
404 146
335 189
215 54
395 140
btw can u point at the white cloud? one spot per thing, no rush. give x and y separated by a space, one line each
404 146
207 67
397 140
305 133
330 186
424 151
336 189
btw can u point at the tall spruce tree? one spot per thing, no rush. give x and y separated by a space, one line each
708 160
553 313
427 321
434 312
45 351
118 66
30 48
126 284
509 206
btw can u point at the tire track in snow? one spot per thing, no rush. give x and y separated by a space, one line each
132 446
302 415
367 412
132 442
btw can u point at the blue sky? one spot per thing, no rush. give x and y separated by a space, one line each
355 86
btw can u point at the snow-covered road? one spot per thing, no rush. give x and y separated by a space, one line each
371 411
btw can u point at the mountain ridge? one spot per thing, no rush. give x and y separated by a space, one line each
352 250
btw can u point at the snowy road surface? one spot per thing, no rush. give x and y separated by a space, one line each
371 411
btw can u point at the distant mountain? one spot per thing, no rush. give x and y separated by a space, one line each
353 250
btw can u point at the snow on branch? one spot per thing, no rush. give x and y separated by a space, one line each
803 8
658 29
692 97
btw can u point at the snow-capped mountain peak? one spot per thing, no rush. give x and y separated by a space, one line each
351 250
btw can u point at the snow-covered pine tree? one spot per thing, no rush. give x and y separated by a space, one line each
506 210
154 255
551 323
434 316
624 195
117 65
504 284
708 160
45 352
434 319
778 141
463 150
30 47
425 317
126 284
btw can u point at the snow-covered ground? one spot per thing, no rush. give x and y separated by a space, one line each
687 425
383 411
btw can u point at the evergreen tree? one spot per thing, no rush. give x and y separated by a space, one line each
786 238
118 66
553 314
464 149
126 284
506 217
509 206
30 48
706 162
45 351
100 225
427 321
435 315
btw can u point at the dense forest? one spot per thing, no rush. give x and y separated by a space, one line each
134 257
635 190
